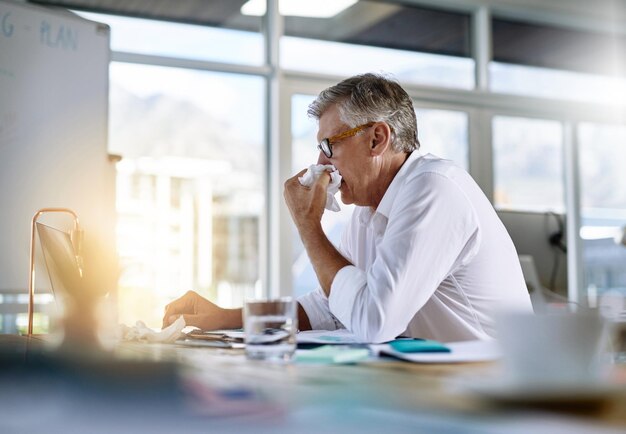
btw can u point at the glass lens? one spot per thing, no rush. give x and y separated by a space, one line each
325 147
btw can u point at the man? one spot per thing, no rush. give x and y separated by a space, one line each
424 254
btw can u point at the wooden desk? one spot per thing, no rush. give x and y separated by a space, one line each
382 396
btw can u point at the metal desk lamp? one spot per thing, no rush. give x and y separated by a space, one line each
76 235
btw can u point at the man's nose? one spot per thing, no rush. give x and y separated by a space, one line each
323 159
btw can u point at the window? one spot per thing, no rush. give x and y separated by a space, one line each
603 207
189 187
552 83
555 62
190 183
224 36
558 47
527 164
416 45
444 133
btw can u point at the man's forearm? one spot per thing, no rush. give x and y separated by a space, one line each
325 258
303 319
233 318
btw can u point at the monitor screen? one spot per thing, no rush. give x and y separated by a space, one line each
60 259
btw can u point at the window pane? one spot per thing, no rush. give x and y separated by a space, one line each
444 133
527 164
218 44
552 83
557 62
603 202
558 47
415 44
304 153
189 188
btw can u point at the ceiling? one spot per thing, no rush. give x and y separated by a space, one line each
206 12
374 22
517 38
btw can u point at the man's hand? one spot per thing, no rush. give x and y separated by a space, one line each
200 312
306 204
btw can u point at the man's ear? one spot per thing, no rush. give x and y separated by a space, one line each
382 138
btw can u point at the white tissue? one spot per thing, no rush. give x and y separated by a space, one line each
141 332
313 172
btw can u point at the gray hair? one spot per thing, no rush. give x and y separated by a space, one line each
372 98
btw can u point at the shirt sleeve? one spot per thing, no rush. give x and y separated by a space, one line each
431 229
315 304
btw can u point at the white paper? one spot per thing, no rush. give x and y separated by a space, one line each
466 351
141 332
313 172
233 334
334 337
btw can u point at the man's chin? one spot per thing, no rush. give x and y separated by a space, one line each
346 198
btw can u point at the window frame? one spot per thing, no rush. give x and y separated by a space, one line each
480 103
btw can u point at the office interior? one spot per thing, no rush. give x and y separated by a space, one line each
207 118
207 111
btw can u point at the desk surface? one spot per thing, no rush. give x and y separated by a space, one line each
379 396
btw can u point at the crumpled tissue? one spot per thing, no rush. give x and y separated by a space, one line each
313 172
141 332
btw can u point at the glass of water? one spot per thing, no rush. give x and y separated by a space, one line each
270 329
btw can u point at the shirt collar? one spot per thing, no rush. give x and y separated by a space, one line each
365 215
384 207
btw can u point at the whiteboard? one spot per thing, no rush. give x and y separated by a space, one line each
53 130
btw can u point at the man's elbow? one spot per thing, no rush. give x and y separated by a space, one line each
376 331
378 336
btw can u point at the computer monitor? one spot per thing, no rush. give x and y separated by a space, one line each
60 258
530 232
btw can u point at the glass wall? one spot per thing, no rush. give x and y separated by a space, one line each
603 213
233 38
550 61
561 62
190 183
444 133
527 164
189 186
551 83
414 44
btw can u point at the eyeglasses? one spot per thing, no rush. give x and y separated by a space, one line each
326 145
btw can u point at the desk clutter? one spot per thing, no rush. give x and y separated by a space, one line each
89 389
141 332
334 387
340 346
333 354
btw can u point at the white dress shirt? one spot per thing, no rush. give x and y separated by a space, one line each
432 261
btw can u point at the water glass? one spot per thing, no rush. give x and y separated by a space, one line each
270 329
